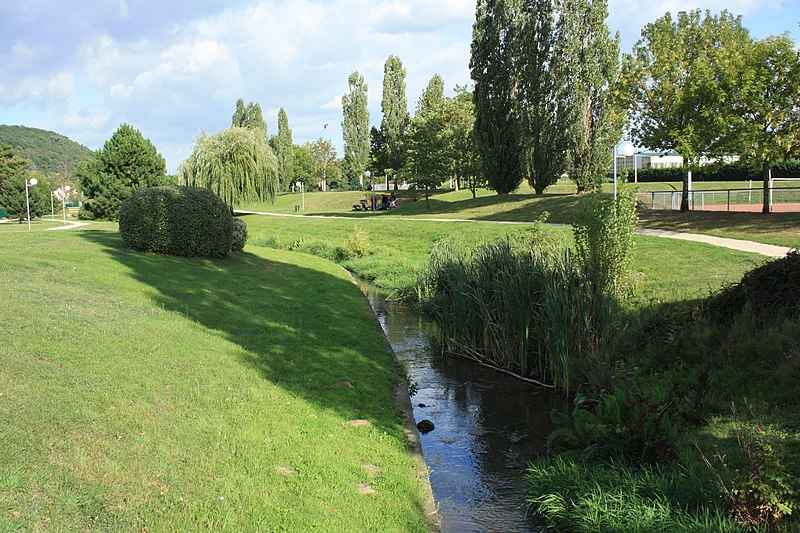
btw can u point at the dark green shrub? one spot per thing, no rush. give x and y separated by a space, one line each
183 221
239 235
736 171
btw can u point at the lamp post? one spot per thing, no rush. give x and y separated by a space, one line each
29 183
64 201
302 188
368 175
627 151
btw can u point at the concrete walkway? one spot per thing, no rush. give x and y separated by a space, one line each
69 225
768 250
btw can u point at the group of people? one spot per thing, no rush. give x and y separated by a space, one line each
371 203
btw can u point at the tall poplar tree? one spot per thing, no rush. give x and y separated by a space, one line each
282 145
249 116
589 56
355 128
394 107
432 97
542 99
497 128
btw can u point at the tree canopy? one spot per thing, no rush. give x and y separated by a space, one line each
236 163
282 145
126 162
249 116
394 107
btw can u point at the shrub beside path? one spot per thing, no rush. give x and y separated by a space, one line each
768 250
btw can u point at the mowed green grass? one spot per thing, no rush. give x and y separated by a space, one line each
558 205
665 269
143 392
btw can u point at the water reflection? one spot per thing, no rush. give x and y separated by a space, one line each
488 426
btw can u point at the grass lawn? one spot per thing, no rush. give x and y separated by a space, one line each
144 392
668 270
559 203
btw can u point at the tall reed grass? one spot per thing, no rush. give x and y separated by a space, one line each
514 305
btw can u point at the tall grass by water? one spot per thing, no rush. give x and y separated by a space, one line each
516 305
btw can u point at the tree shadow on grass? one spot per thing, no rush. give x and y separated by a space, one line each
302 328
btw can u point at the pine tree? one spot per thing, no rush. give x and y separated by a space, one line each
126 162
355 129
497 128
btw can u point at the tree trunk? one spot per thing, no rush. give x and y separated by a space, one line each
685 193
767 207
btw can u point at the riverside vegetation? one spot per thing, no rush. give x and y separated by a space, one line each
685 396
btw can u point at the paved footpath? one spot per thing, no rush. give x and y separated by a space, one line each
768 250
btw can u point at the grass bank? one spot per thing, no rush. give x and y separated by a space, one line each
149 392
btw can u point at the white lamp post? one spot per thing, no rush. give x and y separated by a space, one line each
627 151
31 183
368 175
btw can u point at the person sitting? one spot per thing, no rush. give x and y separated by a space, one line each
384 202
392 201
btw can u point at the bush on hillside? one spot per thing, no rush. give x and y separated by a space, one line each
173 220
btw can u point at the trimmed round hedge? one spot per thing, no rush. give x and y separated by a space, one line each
177 220
239 235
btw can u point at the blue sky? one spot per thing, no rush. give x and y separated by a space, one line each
174 68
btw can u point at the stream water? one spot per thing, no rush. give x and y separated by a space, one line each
488 426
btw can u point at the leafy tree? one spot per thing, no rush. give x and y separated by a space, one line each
542 82
326 162
283 147
459 132
236 163
432 96
683 76
590 58
379 152
355 129
249 116
127 162
492 66
13 201
769 130
303 166
394 107
428 163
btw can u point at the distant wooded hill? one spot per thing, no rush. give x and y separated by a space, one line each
49 151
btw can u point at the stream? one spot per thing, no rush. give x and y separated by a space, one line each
488 426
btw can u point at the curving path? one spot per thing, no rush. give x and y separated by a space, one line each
768 250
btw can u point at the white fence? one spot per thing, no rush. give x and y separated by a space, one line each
783 199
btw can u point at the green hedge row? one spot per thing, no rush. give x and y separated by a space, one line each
737 171
179 220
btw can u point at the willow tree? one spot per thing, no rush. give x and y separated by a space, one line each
237 164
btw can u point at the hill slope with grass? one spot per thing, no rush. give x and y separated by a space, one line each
144 392
50 152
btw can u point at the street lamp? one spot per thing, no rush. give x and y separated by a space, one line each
302 188
31 183
368 175
627 151
64 201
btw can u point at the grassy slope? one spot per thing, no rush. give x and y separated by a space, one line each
141 391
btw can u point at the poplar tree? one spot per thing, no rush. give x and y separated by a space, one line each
542 84
589 57
249 116
492 66
355 128
282 145
432 97
394 107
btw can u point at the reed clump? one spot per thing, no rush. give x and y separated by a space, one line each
513 304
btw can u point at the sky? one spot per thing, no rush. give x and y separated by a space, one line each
175 68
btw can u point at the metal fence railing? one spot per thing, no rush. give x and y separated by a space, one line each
782 198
